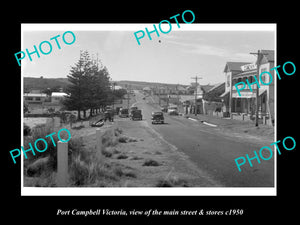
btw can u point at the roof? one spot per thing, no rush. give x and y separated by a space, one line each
216 86
35 95
234 66
146 89
58 94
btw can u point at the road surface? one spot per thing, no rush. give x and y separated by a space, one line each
211 151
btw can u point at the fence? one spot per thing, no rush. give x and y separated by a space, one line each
62 159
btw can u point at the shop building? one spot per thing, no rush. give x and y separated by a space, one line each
243 105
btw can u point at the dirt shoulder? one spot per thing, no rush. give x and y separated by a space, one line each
152 162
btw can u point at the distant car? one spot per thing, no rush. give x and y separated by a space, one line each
133 108
173 110
124 113
164 109
136 114
157 117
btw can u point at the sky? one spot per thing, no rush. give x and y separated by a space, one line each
170 58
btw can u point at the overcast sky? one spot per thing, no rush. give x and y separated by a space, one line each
180 54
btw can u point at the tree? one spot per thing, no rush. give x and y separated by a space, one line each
75 99
90 87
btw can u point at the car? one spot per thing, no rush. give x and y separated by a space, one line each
164 108
157 117
124 113
136 114
132 108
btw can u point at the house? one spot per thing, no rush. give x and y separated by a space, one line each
212 102
34 98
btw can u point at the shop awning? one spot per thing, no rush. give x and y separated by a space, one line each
247 94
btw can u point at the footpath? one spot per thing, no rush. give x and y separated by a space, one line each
238 128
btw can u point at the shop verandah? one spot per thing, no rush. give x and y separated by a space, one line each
245 106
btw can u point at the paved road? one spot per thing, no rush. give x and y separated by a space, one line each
211 151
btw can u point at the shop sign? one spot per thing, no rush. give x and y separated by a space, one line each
248 67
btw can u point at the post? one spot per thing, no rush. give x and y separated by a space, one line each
259 54
62 164
196 78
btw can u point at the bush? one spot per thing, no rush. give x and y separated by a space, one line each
122 156
151 162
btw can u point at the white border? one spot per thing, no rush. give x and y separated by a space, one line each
213 191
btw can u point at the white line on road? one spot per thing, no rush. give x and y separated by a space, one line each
192 119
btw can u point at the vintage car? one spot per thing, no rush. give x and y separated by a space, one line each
157 117
136 114
124 113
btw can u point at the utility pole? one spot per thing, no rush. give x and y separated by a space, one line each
128 97
259 54
196 78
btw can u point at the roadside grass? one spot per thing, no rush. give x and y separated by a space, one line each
86 166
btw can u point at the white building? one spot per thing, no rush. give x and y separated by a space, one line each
56 97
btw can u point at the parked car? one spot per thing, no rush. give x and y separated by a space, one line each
173 110
124 113
164 108
157 117
133 108
136 114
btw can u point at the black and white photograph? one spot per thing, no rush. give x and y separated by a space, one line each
111 112
149 113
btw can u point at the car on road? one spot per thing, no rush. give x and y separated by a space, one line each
157 117
173 110
124 113
132 108
136 114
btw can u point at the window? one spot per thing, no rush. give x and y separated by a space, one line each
37 98
228 80
29 98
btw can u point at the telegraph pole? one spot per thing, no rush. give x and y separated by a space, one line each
196 78
259 54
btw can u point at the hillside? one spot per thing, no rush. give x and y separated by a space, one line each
44 83
141 84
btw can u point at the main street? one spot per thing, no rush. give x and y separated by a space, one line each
212 151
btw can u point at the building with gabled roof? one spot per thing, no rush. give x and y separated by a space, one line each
244 102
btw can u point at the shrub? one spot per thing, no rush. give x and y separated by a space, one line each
151 162
122 156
